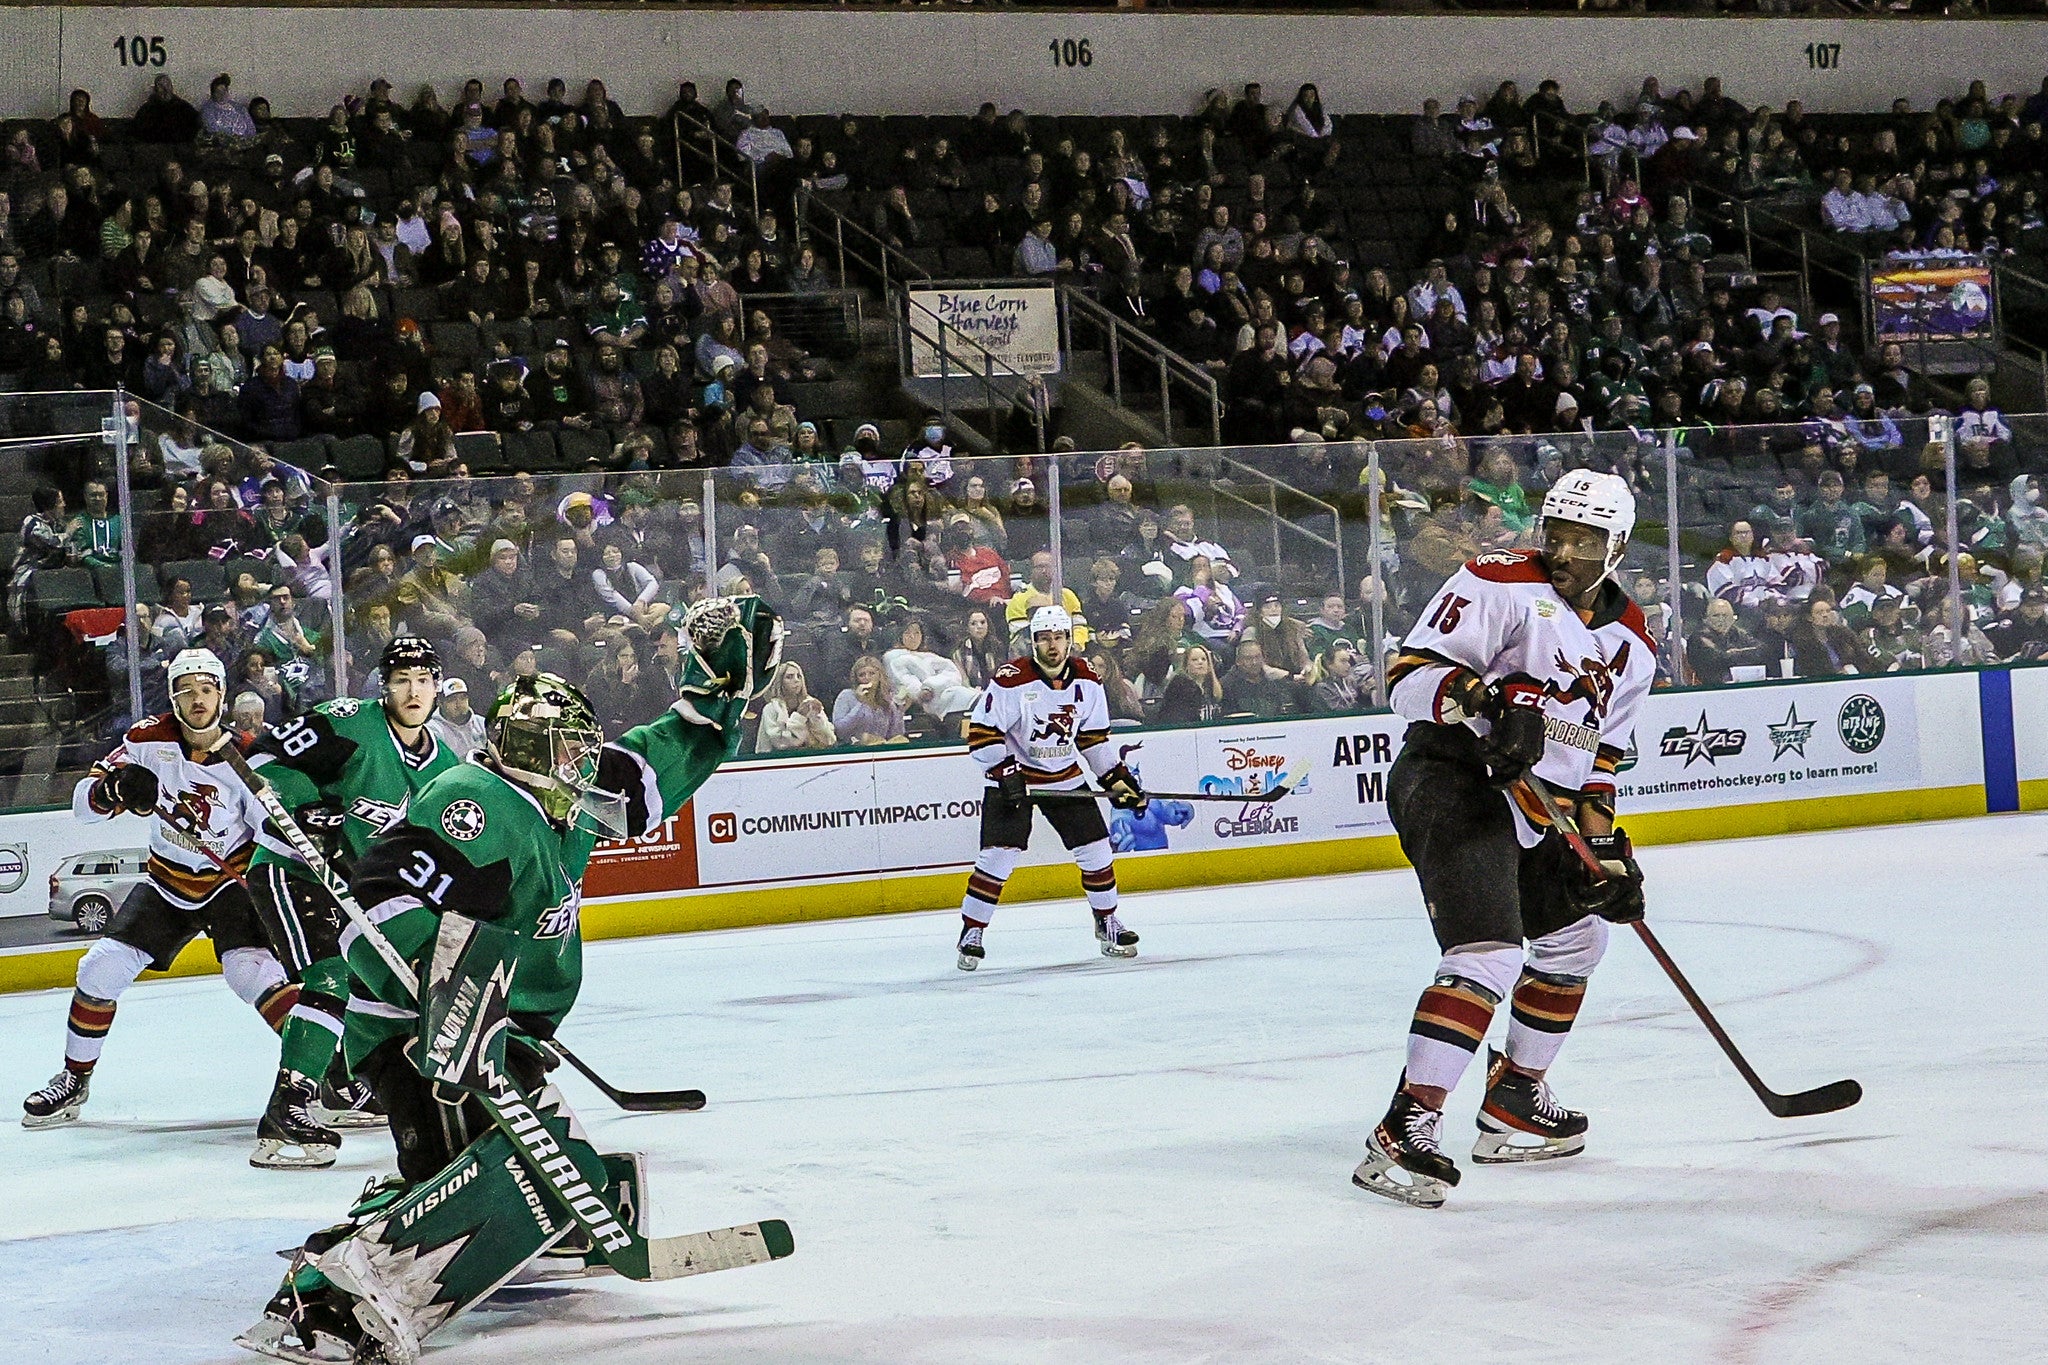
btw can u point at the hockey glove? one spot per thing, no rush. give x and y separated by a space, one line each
1619 897
1010 781
1514 746
130 787
1124 792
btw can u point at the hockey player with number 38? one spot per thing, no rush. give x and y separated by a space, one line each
1526 660
478 888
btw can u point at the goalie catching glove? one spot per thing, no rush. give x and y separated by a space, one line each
1618 896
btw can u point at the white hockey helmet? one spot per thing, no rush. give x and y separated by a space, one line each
1050 617
196 661
1602 501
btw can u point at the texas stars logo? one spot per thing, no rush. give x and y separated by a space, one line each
463 820
1791 735
1702 741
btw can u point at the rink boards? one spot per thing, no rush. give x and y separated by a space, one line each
828 836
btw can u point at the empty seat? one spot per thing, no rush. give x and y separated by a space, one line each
359 458
55 590
529 450
209 581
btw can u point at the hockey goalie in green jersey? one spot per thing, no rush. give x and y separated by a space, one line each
478 889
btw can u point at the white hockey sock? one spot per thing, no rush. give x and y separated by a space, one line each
107 969
1098 875
1455 1011
992 868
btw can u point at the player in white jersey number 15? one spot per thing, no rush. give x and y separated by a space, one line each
1037 723
1526 661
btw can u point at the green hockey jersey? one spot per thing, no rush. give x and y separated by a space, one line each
472 843
345 754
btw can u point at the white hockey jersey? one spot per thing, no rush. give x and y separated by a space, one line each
1049 727
206 795
1499 617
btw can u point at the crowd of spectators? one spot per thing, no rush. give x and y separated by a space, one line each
266 282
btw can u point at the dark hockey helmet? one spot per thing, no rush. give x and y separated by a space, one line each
543 734
408 651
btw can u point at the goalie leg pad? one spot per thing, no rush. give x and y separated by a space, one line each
452 1241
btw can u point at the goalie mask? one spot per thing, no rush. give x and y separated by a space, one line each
543 734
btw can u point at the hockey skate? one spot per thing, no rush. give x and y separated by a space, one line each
379 1310
58 1102
290 1137
1116 940
1406 1141
970 947
1520 1107
349 1103
317 1327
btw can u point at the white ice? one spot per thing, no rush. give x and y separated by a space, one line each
1063 1158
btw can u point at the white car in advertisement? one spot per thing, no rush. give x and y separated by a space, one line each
87 888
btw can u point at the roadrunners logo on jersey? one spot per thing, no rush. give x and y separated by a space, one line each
193 810
463 820
1056 731
1592 681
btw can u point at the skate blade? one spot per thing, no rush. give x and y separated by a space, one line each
1118 949
1380 1174
63 1116
351 1118
968 962
1501 1149
275 1154
1421 1191
267 1338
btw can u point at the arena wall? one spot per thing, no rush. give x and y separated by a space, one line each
772 841
933 62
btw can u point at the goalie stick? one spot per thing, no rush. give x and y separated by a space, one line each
634 1256
1266 797
1825 1099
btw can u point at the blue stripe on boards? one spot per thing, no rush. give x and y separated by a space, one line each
2001 763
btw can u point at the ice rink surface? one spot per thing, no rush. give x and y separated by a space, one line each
1064 1158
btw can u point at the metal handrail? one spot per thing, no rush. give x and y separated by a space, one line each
1172 365
884 255
990 365
712 141
1274 485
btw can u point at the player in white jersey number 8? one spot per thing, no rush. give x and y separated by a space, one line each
1041 725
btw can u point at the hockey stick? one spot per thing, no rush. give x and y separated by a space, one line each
1824 1099
634 1101
634 1256
1271 794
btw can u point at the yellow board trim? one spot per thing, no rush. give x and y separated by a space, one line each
2034 794
697 911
